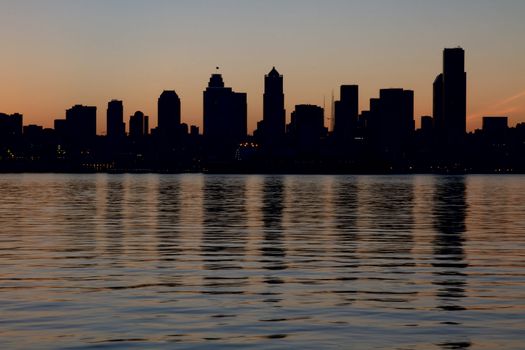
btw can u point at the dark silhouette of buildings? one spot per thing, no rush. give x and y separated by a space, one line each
138 125
81 124
307 129
391 123
10 126
60 127
427 124
495 125
437 106
346 114
450 102
146 125
495 129
225 119
273 126
116 129
169 115
382 139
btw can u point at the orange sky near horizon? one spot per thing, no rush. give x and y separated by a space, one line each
59 53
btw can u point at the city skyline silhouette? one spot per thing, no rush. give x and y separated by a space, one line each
382 138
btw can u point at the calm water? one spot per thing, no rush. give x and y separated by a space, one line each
306 262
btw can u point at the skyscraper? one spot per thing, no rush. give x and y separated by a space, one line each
274 114
346 112
136 125
225 118
81 124
307 128
169 115
391 122
115 120
450 100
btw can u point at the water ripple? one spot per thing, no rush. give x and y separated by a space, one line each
269 262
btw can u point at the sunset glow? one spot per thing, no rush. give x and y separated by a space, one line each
59 53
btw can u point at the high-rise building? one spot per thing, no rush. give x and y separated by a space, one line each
136 125
346 113
225 118
306 127
391 121
450 100
274 114
81 124
169 115
115 120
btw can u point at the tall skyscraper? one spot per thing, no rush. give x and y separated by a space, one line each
169 115
225 118
346 113
115 120
274 114
450 100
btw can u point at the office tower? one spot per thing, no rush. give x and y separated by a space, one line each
450 100
307 128
169 115
225 118
136 125
274 115
116 129
391 121
81 124
346 113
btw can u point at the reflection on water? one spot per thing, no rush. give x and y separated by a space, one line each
450 209
202 261
272 247
224 236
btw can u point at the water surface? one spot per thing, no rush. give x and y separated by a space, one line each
269 262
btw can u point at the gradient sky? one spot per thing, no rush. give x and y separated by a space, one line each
57 53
